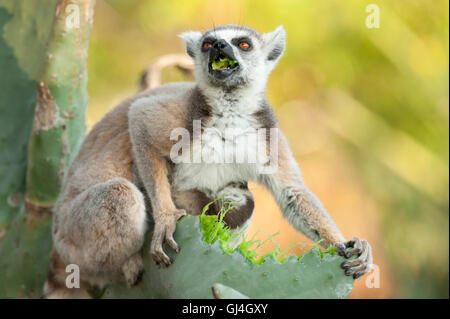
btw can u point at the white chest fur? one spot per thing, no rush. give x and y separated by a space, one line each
229 150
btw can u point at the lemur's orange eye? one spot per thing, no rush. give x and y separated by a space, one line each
244 45
206 46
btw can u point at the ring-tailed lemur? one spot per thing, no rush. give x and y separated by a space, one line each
125 168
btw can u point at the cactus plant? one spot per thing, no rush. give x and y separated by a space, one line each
25 29
43 96
38 48
203 270
59 121
220 291
24 260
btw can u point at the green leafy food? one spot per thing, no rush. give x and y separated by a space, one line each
213 229
223 63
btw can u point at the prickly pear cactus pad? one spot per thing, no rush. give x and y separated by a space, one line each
206 260
24 261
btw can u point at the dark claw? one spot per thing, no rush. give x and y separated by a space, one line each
176 248
139 277
357 275
341 249
350 244
169 262
346 265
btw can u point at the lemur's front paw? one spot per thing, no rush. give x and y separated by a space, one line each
363 263
165 226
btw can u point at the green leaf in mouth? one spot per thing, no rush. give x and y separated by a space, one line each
223 63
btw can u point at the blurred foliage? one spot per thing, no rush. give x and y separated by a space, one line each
382 93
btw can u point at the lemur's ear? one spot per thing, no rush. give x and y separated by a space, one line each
274 43
191 38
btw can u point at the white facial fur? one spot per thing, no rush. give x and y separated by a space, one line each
255 65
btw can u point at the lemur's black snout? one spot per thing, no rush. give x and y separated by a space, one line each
221 50
221 47
220 44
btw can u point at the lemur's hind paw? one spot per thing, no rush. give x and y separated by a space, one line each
133 270
165 226
363 263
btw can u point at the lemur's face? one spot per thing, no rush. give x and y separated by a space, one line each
234 56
